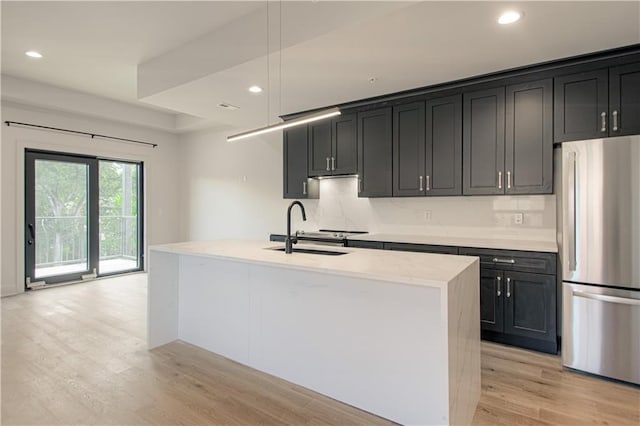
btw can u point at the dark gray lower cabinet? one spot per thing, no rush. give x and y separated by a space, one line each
421 248
518 306
530 305
365 244
375 148
296 182
491 310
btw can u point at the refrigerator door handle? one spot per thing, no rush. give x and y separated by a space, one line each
571 210
605 298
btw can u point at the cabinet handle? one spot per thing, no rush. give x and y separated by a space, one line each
604 122
304 188
333 163
360 184
509 261
615 120
500 180
428 183
508 179
499 293
508 287
328 167
421 189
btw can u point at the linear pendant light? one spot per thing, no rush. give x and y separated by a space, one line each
321 115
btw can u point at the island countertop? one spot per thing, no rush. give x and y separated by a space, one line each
423 269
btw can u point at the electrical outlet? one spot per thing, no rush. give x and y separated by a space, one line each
427 215
518 218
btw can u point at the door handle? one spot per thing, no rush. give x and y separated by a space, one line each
571 210
606 298
304 188
499 292
615 120
421 189
508 261
508 179
328 167
333 163
428 183
33 234
508 287
500 180
603 116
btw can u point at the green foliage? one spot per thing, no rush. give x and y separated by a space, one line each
61 210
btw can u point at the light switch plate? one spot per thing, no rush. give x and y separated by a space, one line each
518 218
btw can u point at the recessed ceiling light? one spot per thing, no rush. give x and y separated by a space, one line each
509 17
33 54
255 89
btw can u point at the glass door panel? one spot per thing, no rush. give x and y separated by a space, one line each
119 217
58 218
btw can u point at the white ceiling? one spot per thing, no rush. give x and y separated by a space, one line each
190 56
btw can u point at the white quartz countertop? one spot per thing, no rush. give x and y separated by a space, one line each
504 244
432 270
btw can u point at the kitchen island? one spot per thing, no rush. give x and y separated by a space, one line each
393 333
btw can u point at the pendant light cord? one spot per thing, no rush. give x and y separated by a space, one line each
268 70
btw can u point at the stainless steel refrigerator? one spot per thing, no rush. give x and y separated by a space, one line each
600 204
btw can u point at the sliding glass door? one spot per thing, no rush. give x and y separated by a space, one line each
82 217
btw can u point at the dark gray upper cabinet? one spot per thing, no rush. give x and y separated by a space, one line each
483 142
320 148
443 167
375 146
409 150
333 146
529 138
344 145
624 100
296 183
581 106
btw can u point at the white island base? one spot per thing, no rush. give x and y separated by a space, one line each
396 334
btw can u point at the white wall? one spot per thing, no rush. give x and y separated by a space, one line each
161 174
234 190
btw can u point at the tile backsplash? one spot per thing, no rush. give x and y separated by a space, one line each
480 216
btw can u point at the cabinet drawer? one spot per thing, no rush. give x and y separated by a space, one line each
510 260
365 244
422 248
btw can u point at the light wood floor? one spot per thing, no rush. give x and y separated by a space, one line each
77 355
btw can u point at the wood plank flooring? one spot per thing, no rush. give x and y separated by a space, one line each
77 355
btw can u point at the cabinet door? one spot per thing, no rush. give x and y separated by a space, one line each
320 148
483 142
529 138
408 150
375 153
491 300
444 146
296 184
344 146
530 305
580 106
624 100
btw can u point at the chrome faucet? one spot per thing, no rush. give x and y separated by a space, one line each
290 241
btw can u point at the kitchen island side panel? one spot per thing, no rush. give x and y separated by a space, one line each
463 305
372 344
162 298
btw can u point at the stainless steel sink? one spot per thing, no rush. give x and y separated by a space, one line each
311 251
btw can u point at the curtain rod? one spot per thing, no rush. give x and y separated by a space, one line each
77 132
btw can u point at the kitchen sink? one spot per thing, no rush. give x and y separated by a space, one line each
311 251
